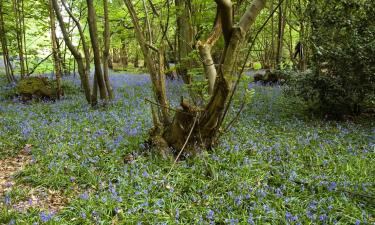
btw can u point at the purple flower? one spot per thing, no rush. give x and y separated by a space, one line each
7 200
210 215
323 217
84 196
332 186
45 217
177 215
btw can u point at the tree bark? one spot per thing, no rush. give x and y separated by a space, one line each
181 133
124 54
82 68
55 53
211 117
204 48
93 30
184 37
154 66
4 45
106 51
280 36
16 8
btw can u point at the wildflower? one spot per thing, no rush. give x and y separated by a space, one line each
83 215
323 217
84 196
332 186
45 217
7 200
177 215
238 200
250 220
145 174
210 215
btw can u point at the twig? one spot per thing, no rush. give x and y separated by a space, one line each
38 64
183 147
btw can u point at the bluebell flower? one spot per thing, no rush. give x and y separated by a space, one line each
45 217
83 215
177 215
84 196
210 215
332 186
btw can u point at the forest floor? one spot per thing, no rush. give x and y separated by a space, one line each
275 166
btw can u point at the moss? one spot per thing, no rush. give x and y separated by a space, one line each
38 87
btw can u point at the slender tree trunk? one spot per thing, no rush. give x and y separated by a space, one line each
55 50
184 37
93 30
106 51
16 7
136 60
4 45
124 54
82 68
22 15
204 48
154 66
280 36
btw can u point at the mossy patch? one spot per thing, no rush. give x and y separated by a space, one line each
36 87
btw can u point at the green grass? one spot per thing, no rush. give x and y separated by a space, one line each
274 167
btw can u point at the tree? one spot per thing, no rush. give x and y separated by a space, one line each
55 50
83 68
4 45
106 50
98 77
180 133
184 37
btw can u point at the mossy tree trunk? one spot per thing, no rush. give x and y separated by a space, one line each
180 132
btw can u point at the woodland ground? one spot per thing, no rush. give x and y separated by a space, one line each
276 166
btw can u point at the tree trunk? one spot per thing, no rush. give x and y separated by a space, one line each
93 30
22 15
136 60
185 37
106 51
154 66
124 54
55 53
182 133
280 36
16 7
4 45
204 48
202 134
82 68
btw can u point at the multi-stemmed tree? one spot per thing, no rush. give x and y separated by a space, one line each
194 127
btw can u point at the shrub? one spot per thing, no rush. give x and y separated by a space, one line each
342 77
